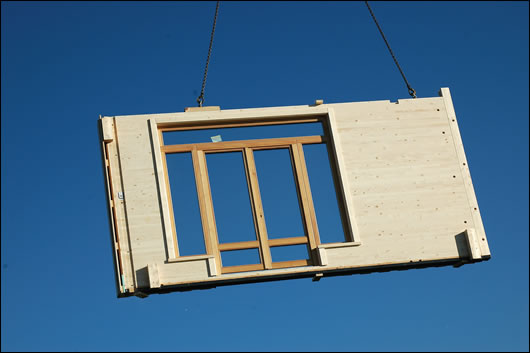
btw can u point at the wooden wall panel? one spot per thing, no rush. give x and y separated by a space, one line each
409 195
140 195
407 182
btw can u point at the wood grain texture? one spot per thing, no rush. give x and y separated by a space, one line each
466 174
235 145
242 245
302 168
203 207
403 172
257 208
208 216
255 122
141 195
119 218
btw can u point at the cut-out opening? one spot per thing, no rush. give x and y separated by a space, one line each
279 195
242 133
240 257
324 193
185 202
230 196
258 190
289 253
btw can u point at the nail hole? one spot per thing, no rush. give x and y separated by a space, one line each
443 132
465 221
454 176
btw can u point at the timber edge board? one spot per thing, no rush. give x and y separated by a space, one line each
316 275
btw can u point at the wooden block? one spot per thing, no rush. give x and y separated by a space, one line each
202 109
473 244
154 279
212 266
107 123
322 256
340 245
317 277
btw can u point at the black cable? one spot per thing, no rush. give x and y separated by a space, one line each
412 92
200 99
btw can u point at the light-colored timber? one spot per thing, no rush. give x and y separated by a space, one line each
402 179
261 229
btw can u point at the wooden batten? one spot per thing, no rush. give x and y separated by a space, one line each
202 109
107 125
252 180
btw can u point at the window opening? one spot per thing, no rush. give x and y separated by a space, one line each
205 135
290 253
231 201
325 201
186 213
240 257
264 184
279 193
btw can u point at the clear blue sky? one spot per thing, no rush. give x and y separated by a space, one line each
63 64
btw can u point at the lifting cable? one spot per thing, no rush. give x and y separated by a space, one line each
200 99
412 92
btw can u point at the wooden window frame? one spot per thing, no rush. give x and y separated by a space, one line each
247 147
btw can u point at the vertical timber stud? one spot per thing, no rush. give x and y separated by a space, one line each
154 278
473 244
340 167
306 207
209 214
170 204
114 222
106 136
202 202
119 213
307 187
258 208
163 184
466 175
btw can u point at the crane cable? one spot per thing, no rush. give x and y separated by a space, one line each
412 92
200 99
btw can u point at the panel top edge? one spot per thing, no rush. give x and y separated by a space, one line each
309 109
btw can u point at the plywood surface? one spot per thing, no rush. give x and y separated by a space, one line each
407 182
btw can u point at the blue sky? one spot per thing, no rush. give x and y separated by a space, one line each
63 64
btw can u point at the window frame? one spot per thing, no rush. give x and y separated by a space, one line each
263 244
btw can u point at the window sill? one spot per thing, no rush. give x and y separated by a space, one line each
339 245
322 250
189 258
